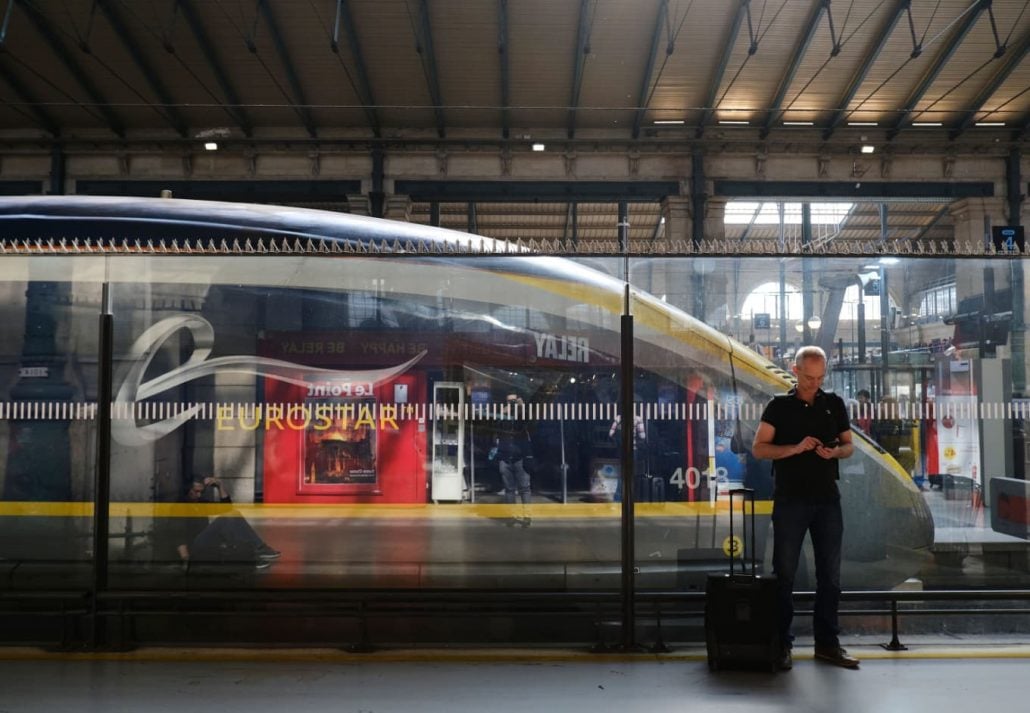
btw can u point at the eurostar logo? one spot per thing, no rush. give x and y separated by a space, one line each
133 389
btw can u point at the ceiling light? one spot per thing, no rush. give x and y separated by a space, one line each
539 147
211 146
990 123
862 123
927 123
734 123
868 149
669 122
799 123
218 132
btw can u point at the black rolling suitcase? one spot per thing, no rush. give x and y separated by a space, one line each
741 628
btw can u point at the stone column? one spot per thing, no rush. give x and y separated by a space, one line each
359 204
676 211
715 218
970 218
398 207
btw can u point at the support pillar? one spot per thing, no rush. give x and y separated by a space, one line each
715 218
398 207
973 218
677 213
359 204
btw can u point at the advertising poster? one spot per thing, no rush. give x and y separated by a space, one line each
958 428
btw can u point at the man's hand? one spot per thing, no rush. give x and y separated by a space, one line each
808 443
827 452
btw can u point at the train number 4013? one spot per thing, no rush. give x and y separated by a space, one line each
691 478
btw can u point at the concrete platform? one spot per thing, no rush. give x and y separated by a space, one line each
935 676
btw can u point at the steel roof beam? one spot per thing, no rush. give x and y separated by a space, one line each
751 223
536 191
868 61
73 66
505 58
1015 57
31 101
935 68
1022 126
234 106
720 71
645 83
365 86
425 49
941 212
795 63
168 110
299 100
582 48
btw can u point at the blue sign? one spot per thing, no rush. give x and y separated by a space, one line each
1008 238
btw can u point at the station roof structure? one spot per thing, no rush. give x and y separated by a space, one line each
574 76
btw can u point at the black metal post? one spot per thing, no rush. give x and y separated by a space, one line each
377 196
895 644
624 228
102 471
1014 185
806 274
697 197
885 333
57 171
626 472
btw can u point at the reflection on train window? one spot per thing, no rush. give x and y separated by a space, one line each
339 446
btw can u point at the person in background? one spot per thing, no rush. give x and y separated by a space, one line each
228 538
864 411
639 453
512 448
805 432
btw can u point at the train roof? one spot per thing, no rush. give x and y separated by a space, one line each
93 217
182 222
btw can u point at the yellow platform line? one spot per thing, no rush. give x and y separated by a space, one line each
473 656
371 511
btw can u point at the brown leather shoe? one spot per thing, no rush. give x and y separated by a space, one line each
837 656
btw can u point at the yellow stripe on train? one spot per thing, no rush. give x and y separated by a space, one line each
554 511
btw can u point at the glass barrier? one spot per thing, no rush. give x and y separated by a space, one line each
931 367
367 422
48 365
414 421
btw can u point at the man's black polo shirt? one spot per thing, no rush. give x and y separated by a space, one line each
806 474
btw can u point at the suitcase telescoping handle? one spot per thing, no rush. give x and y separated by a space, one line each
746 494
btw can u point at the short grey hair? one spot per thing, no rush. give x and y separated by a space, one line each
809 352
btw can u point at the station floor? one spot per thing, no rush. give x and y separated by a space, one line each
939 676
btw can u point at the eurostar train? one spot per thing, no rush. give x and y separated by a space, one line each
349 381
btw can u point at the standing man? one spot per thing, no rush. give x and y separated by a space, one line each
512 447
805 432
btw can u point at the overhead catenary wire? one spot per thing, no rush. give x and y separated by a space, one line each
251 42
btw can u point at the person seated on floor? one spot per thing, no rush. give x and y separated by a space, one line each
227 538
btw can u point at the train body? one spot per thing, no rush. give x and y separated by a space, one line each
350 389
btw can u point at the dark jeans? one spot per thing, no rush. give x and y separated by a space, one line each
228 538
515 479
792 517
